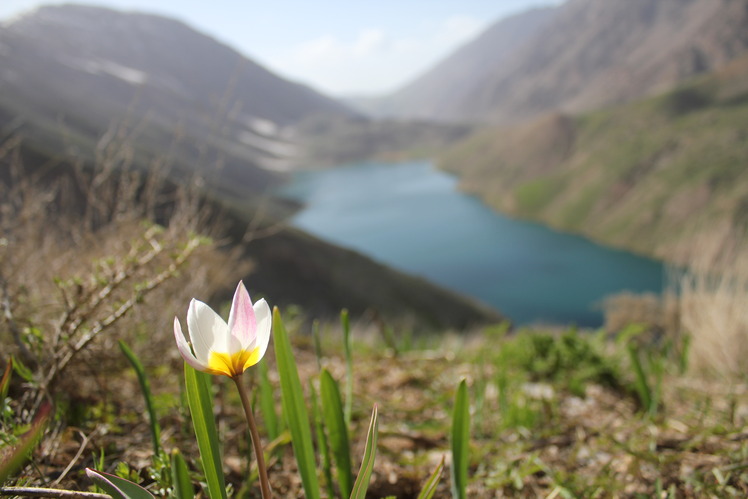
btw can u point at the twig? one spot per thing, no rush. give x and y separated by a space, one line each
42 492
12 325
98 326
77 456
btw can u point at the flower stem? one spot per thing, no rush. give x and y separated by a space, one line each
264 483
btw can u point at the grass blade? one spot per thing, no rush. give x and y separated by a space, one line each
337 431
5 385
348 366
317 343
641 384
5 381
199 398
180 477
367 463
323 447
267 402
294 408
145 388
12 460
117 487
460 440
429 488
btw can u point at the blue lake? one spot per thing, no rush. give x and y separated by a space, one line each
412 217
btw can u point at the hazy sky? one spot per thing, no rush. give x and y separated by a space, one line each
341 47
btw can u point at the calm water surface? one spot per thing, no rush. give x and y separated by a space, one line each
411 217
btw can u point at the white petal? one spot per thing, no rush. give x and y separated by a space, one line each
208 332
184 348
263 317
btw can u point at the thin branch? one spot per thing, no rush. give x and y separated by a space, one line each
77 456
42 492
99 326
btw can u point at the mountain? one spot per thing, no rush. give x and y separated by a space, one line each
441 93
86 68
659 176
89 88
579 56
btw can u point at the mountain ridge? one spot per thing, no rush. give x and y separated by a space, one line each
583 55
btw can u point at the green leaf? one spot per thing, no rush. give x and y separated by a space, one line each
348 365
200 400
367 463
117 487
460 440
5 381
337 431
429 488
23 371
294 408
145 388
180 477
5 385
13 460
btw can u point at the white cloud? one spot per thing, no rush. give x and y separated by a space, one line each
328 50
459 29
374 61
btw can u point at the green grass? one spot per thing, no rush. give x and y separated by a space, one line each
567 413
534 194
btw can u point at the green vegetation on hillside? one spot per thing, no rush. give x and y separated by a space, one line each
653 176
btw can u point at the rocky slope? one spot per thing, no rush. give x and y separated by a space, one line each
578 56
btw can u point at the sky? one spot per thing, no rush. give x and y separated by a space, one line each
339 47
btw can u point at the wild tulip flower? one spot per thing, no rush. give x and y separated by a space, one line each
229 349
221 348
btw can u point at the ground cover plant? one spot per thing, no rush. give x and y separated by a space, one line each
96 399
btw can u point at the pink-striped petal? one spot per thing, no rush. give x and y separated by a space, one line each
184 348
242 322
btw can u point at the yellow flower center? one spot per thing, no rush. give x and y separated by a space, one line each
232 364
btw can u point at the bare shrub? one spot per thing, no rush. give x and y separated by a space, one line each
81 254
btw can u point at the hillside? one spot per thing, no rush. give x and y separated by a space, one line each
656 176
329 141
579 56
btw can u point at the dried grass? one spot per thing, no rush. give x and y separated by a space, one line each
713 307
707 301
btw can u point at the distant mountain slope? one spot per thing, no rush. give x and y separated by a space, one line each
656 176
581 55
440 94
